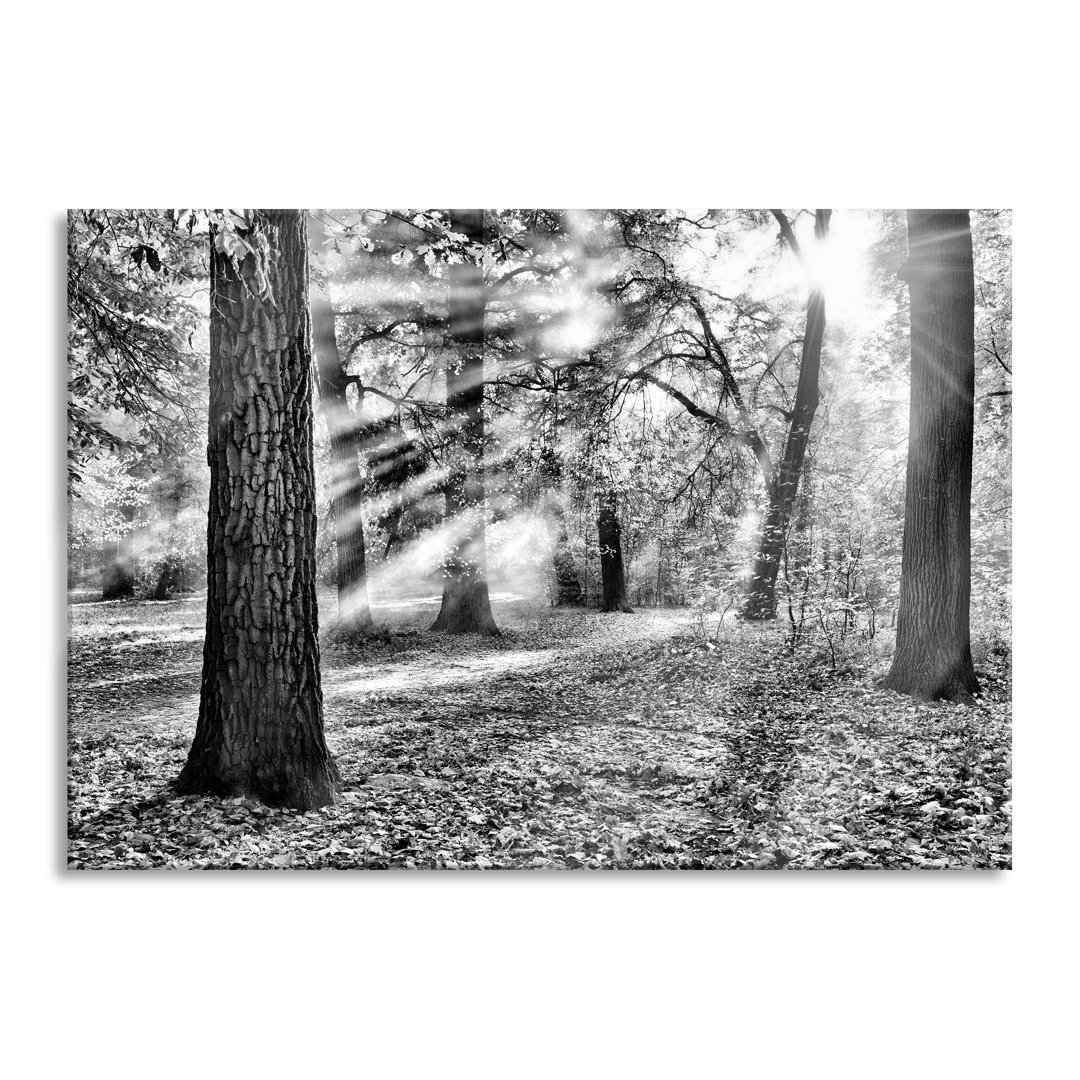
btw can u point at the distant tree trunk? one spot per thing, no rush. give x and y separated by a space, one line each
612 572
172 578
260 727
567 581
346 491
659 572
394 461
784 484
118 573
933 644
466 607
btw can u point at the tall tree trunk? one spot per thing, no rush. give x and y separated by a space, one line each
466 607
260 727
346 491
118 573
933 644
784 484
612 572
567 581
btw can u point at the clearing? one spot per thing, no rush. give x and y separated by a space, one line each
575 740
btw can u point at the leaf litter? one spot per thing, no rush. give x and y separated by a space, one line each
576 740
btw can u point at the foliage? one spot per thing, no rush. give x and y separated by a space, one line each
652 354
136 295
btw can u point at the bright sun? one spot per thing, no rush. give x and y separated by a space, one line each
840 263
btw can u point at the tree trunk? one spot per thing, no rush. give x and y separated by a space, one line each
612 572
761 595
171 579
260 727
784 484
659 572
346 491
933 644
567 581
466 607
395 461
118 573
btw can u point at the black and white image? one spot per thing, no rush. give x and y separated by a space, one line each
539 539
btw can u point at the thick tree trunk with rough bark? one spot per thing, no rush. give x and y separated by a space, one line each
118 572
466 607
260 727
933 644
783 487
568 584
612 572
346 492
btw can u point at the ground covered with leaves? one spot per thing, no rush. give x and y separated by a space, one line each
574 740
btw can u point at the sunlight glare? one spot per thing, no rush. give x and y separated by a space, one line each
839 265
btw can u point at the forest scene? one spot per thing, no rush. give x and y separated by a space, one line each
539 539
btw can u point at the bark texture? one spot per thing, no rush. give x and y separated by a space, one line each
260 727
466 607
346 480
612 571
782 487
933 643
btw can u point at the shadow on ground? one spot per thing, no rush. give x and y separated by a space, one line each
574 740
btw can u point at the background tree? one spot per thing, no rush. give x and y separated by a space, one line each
933 644
260 730
782 487
345 428
141 512
567 581
135 283
612 568
466 606
680 334
991 492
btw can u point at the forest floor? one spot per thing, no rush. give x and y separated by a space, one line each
574 740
